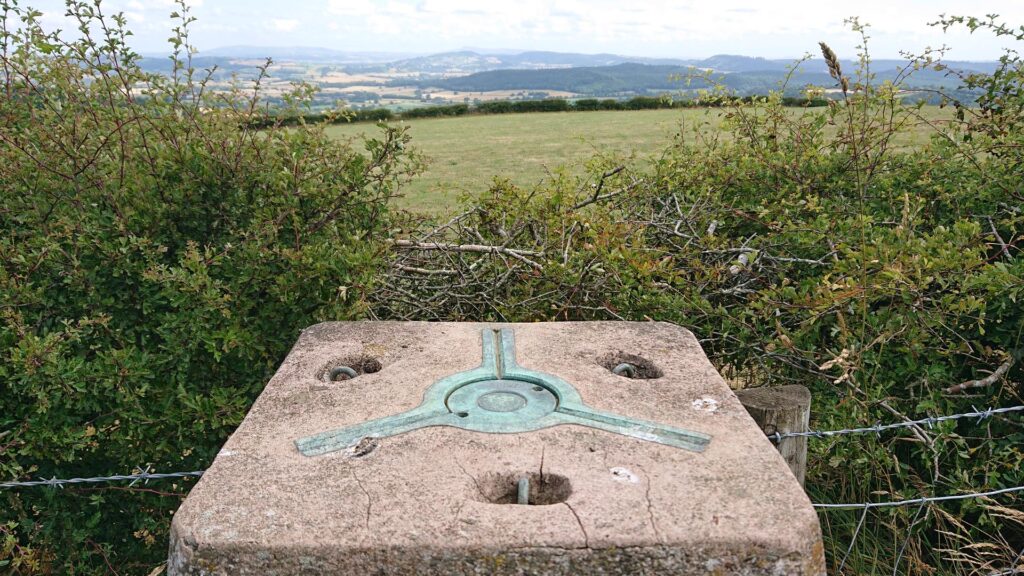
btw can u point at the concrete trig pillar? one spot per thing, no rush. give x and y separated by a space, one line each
561 448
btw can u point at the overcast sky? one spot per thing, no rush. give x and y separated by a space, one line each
680 28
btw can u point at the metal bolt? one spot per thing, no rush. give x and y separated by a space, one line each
523 491
342 370
625 369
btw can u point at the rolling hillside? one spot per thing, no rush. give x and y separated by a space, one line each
615 80
536 71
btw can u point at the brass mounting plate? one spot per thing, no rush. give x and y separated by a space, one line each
501 397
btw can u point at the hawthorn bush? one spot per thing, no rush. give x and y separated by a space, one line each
158 257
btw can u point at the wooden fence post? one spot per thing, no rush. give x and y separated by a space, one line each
782 409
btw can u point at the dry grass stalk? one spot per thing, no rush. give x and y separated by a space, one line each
834 69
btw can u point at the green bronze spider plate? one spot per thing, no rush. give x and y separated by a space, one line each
504 398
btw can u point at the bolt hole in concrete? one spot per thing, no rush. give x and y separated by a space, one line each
342 373
503 488
348 368
630 366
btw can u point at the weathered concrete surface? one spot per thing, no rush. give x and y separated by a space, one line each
418 503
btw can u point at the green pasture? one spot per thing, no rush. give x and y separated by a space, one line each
464 154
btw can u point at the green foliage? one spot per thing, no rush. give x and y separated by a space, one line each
158 258
290 119
661 102
436 111
509 107
805 248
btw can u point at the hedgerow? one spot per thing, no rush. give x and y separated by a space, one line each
158 258
664 102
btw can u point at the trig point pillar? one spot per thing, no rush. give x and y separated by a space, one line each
431 448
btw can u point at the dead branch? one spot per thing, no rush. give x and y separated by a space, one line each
481 248
986 381
1002 244
426 271
600 185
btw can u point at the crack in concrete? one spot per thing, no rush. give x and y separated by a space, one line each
458 512
369 500
650 505
471 477
542 449
586 538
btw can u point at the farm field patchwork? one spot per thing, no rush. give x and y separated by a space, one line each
464 154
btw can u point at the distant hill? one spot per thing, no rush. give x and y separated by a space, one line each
617 80
304 54
310 54
471 61
610 75
743 74
226 66
596 80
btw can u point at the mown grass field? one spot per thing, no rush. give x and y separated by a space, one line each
466 153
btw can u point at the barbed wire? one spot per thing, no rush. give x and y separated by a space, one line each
866 507
879 428
145 475
913 501
141 474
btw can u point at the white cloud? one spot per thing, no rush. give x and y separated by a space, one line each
284 24
173 3
683 28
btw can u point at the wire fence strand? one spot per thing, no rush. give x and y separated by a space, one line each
913 501
879 428
143 475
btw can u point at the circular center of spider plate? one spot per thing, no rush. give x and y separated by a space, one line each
501 401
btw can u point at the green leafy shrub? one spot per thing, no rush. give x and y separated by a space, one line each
289 118
158 259
495 107
647 103
521 106
586 104
546 105
436 111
